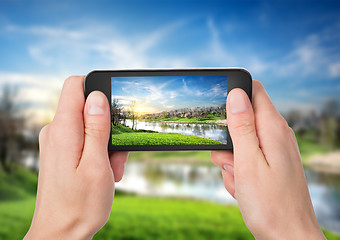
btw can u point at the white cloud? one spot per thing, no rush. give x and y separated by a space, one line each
37 94
50 82
311 58
217 52
47 31
108 46
38 55
173 94
55 46
334 69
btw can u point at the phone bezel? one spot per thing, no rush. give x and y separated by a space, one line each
100 80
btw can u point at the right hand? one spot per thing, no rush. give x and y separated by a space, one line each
264 173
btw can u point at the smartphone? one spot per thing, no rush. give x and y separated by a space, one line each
168 109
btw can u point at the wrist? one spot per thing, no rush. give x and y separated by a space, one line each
52 231
306 230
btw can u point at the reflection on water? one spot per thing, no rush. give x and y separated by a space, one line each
325 193
205 182
212 131
178 180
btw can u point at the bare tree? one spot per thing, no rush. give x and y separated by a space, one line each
116 109
223 114
133 113
11 128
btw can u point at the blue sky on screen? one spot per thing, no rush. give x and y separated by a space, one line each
156 94
291 46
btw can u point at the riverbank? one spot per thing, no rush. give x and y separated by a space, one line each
193 120
122 135
327 163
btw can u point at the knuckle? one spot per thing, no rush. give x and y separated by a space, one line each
94 129
43 133
69 80
282 126
55 136
257 84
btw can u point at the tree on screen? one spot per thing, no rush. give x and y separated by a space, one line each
133 113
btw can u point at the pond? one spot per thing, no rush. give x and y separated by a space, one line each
324 189
212 131
205 182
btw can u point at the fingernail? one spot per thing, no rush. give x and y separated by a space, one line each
238 101
228 168
96 104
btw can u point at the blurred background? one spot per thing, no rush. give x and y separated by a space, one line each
292 47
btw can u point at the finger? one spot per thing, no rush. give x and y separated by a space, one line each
66 129
228 179
71 103
294 140
268 119
262 104
241 125
221 158
97 131
272 129
225 160
118 160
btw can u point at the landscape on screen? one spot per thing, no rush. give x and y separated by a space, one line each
169 110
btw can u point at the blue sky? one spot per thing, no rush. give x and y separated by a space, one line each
291 46
156 94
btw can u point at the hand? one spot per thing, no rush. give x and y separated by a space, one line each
76 177
264 173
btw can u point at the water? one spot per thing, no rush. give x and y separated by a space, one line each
179 180
325 193
205 182
212 131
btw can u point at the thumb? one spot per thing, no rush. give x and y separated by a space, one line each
97 128
241 125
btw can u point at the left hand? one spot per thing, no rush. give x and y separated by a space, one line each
76 176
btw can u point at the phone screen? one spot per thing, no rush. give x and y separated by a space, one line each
169 110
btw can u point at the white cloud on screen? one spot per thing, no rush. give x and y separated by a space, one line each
158 95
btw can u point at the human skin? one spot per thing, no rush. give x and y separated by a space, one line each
77 175
264 172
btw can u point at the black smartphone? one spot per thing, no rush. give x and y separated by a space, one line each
168 109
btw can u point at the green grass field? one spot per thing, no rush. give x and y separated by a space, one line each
308 147
142 138
132 217
122 135
135 217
